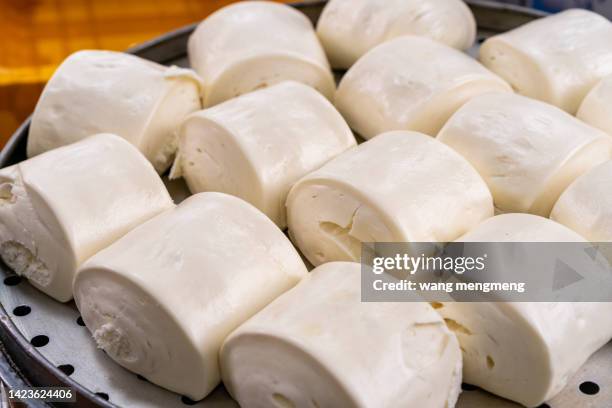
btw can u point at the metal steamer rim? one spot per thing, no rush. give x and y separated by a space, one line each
45 343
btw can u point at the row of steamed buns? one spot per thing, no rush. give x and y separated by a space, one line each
163 298
211 289
527 152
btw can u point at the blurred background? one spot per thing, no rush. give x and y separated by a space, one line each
38 34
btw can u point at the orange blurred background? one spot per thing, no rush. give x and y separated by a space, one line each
38 34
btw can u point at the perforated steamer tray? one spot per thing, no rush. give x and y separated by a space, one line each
44 342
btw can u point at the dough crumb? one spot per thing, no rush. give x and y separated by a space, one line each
111 339
23 262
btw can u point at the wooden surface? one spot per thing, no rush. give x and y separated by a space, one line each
38 34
